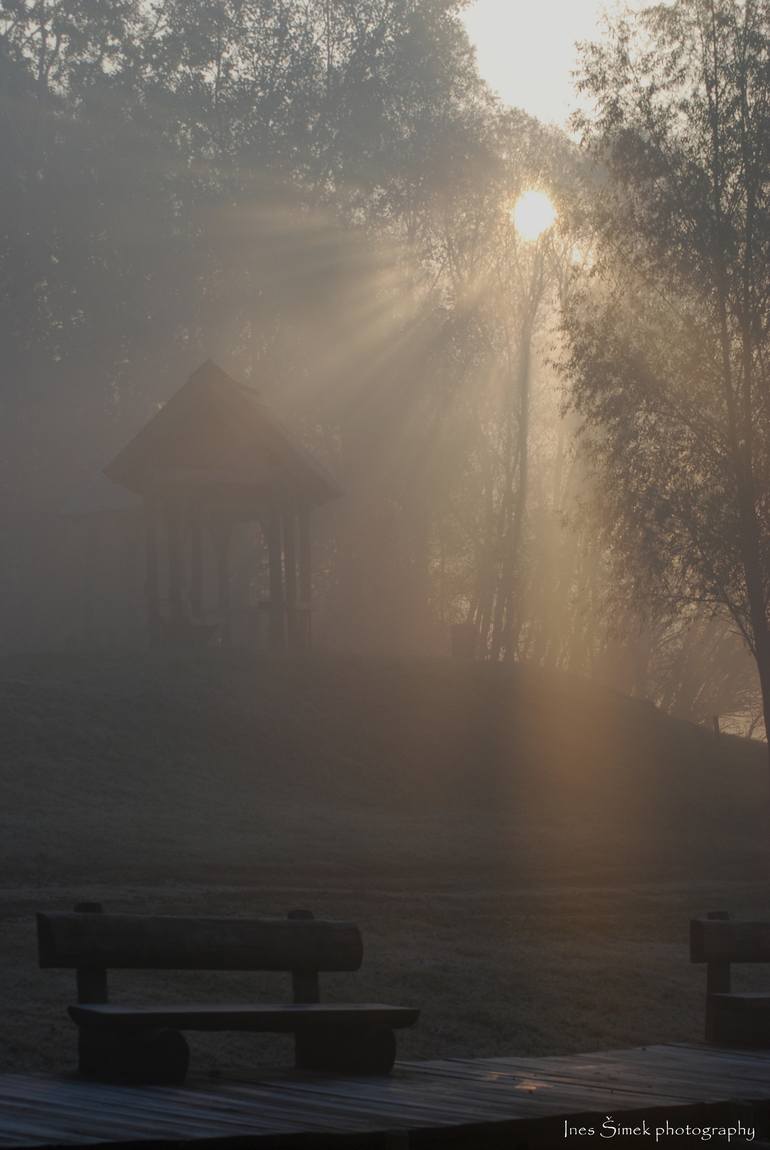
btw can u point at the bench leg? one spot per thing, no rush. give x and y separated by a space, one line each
157 1057
349 1050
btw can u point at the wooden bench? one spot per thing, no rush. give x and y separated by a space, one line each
145 1044
739 1019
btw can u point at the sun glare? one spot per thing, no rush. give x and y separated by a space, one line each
533 214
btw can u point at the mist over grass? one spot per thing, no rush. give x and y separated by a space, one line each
155 768
522 851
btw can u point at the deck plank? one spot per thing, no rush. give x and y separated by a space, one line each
36 1110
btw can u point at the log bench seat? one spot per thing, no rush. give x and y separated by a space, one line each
144 1043
261 1018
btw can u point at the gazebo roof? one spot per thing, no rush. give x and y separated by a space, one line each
216 436
96 496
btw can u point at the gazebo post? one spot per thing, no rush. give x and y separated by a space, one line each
305 573
196 566
220 534
277 632
93 541
175 603
290 574
151 588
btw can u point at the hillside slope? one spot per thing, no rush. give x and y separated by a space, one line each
234 770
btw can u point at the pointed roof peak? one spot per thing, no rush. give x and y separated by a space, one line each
211 372
215 432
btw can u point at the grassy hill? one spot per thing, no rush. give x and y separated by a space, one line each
522 850
223 771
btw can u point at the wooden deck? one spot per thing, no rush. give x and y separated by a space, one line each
453 1102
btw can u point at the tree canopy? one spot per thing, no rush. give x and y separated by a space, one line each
668 335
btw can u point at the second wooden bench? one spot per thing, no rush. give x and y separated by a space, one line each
733 1018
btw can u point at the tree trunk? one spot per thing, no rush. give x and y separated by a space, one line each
504 612
763 666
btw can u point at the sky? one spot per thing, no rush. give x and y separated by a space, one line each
526 49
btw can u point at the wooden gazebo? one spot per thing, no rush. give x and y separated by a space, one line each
212 458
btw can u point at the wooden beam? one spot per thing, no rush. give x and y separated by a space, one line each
290 574
221 532
91 980
169 942
277 613
304 983
151 583
90 563
175 571
722 940
305 574
196 561
258 1017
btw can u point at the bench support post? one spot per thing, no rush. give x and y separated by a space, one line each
347 1050
91 980
304 983
158 1057
717 982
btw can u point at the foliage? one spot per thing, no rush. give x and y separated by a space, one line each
668 337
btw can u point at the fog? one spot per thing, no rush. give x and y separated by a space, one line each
385 506
321 200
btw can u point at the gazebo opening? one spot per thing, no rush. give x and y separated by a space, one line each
214 458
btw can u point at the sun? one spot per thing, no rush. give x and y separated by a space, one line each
533 214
